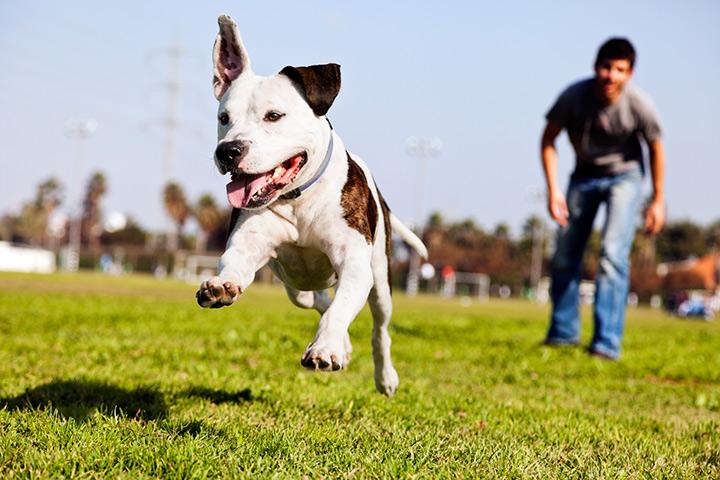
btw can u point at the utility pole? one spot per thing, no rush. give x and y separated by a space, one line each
174 55
170 122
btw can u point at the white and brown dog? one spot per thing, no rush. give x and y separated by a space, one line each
302 204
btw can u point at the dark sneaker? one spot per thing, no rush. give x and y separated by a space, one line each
551 342
603 355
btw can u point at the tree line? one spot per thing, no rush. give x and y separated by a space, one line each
40 223
468 247
463 244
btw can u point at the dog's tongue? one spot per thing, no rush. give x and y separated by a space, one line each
240 191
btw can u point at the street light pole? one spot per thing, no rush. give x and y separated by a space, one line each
538 234
80 131
538 237
422 149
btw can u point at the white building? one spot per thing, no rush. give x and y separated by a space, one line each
25 259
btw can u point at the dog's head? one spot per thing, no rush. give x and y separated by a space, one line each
270 129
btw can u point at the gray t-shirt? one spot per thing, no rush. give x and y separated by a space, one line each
606 138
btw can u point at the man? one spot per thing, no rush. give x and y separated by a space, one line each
606 119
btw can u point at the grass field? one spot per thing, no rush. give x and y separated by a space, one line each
127 377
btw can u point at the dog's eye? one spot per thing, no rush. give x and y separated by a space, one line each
224 118
273 116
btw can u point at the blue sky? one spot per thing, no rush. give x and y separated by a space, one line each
477 75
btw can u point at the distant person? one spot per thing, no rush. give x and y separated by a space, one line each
606 119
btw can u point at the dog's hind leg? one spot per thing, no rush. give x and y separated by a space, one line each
319 300
380 300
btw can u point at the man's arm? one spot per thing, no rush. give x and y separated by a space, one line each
557 206
655 214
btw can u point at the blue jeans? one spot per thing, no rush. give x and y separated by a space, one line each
622 195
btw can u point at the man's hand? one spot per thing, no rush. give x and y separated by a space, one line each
654 217
655 214
557 207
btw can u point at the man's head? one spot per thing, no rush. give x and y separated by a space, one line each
614 68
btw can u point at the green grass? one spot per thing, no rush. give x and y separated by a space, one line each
126 377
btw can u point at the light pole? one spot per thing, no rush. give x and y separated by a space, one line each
423 149
538 234
538 237
80 131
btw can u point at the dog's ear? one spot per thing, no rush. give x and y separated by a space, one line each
230 59
319 83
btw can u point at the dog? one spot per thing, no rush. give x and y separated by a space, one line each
302 204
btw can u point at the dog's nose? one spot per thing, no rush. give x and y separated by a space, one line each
228 154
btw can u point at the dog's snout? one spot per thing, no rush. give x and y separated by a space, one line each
228 154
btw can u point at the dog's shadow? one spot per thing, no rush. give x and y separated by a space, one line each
80 399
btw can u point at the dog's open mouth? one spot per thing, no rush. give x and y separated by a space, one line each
253 190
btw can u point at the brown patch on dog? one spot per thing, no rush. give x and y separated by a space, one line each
319 83
359 209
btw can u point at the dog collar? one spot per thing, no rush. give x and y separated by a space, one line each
326 161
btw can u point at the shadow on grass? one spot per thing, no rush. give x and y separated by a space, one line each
408 331
221 396
79 399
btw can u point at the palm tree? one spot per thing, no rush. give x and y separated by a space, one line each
177 207
33 220
208 216
32 223
91 214
49 194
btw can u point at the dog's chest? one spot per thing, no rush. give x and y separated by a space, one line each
304 268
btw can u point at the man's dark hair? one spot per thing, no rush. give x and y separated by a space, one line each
616 49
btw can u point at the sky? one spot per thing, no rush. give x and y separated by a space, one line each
477 76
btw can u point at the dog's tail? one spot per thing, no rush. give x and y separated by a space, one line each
407 235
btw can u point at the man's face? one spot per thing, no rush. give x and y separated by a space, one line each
611 77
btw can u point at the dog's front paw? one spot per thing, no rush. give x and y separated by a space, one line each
216 293
325 355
